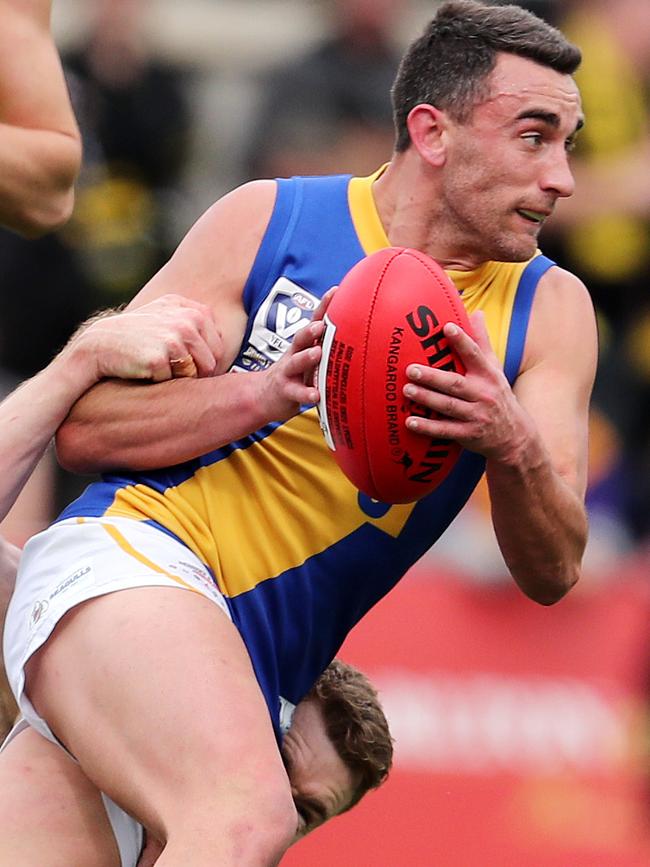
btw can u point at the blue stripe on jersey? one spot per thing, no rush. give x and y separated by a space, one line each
522 306
272 249
329 230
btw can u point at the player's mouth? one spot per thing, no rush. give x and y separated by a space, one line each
534 217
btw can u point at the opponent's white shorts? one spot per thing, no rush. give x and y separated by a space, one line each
68 564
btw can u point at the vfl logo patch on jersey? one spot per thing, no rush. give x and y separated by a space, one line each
286 309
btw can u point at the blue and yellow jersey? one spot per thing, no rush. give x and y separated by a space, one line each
298 552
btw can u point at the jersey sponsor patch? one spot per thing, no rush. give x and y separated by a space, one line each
286 309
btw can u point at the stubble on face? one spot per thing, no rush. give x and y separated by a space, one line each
478 212
491 173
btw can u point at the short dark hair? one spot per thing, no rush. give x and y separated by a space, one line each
356 725
448 66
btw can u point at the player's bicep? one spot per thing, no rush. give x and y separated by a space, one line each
189 274
558 372
212 263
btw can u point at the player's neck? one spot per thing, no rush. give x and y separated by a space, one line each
406 201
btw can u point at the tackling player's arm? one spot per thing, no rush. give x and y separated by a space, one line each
138 344
40 145
534 437
118 424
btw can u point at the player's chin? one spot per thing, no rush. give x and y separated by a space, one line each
515 247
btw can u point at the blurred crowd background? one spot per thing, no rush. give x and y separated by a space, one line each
180 102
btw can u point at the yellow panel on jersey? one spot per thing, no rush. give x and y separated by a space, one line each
254 486
492 289
369 227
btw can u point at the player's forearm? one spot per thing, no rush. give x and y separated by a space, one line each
540 523
36 184
29 418
140 426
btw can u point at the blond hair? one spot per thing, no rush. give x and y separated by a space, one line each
356 725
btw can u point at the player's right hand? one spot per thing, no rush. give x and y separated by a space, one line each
170 337
291 382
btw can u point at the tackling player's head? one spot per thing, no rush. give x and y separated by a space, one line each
356 724
338 746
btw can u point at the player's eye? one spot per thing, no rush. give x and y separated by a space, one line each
534 139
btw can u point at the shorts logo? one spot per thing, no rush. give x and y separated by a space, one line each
70 581
200 577
38 611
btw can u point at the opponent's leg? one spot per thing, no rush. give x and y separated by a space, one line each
153 691
51 815
8 709
8 562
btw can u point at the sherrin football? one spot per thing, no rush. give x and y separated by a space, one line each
388 312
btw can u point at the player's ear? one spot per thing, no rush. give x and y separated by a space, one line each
427 126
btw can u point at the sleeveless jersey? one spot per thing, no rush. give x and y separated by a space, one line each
298 552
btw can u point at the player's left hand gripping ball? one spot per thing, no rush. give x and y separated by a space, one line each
388 312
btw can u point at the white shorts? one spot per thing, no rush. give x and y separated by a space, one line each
80 559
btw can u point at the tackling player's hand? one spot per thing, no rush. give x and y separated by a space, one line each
479 409
170 337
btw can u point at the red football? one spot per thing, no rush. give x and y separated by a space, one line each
388 312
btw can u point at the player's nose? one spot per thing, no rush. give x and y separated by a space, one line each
558 177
